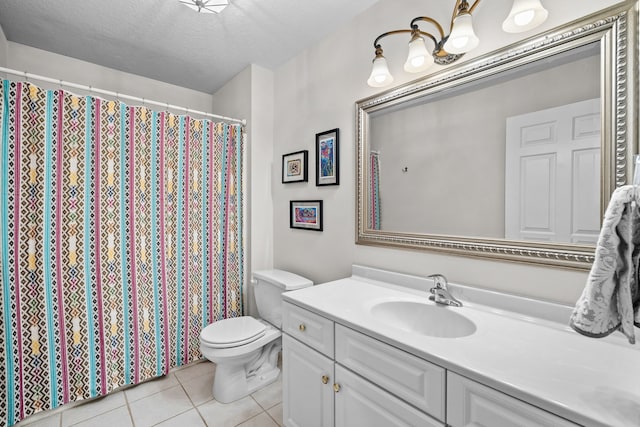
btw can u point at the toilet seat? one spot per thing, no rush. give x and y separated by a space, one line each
231 353
232 332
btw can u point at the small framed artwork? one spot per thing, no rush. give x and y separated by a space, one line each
294 167
305 214
328 157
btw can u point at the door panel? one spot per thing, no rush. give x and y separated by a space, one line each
552 174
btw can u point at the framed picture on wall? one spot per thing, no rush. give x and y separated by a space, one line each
328 157
294 167
305 214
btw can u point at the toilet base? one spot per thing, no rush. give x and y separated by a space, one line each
234 381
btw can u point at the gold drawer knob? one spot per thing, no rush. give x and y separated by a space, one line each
302 327
336 387
325 379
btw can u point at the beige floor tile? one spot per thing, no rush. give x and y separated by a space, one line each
92 408
118 417
150 387
262 420
194 371
200 390
218 414
188 419
159 407
40 420
276 414
270 395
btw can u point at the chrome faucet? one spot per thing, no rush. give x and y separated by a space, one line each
440 294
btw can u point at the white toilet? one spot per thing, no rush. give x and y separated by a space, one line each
245 350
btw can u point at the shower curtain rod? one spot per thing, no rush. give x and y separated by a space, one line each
118 95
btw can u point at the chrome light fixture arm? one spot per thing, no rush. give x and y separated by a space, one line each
525 15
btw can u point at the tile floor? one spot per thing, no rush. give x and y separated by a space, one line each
180 399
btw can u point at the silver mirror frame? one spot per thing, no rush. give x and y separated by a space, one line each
616 30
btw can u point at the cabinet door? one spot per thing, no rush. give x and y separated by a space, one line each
472 404
307 382
362 404
412 379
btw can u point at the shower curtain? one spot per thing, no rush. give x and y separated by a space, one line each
122 236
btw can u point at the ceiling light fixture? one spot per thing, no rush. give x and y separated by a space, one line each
206 6
524 16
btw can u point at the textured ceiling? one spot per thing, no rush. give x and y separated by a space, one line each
166 41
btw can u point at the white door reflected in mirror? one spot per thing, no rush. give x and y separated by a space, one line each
552 174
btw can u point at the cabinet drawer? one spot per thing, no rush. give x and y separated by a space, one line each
308 327
471 403
360 403
412 379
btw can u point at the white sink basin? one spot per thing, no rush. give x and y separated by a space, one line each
423 318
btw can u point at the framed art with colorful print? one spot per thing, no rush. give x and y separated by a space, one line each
328 157
305 214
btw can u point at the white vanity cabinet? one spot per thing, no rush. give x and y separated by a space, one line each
336 376
358 403
319 390
307 386
376 337
472 404
307 362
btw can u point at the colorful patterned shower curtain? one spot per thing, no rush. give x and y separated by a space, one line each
121 237
374 191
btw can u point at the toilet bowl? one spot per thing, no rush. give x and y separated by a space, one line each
244 349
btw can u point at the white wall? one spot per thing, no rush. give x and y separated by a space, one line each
250 95
3 49
36 61
316 91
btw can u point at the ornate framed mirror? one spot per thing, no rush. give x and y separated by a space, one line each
510 156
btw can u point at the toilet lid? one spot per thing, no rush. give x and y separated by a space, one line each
233 344
233 332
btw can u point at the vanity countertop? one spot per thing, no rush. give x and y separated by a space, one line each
594 382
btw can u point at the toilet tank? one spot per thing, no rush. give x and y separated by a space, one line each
268 287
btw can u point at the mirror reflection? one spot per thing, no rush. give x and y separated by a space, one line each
515 155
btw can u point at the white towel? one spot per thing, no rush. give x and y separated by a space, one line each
610 299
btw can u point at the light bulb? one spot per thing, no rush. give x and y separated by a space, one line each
462 38
460 42
419 58
416 62
525 15
380 75
524 18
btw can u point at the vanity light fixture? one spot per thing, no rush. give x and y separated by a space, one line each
206 6
525 15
